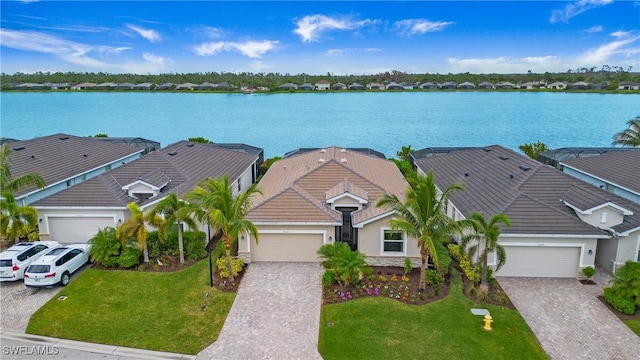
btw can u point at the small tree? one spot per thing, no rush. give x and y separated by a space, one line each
200 139
105 247
532 150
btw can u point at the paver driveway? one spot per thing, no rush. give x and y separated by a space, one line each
276 315
569 320
18 303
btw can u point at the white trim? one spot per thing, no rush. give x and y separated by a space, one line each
394 253
551 245
337 206
79 208
599 178
370 220
638 249
590 211
152 187
47 217
313 232
555 236
626 233
349 195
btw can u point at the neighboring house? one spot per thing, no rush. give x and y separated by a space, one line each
105 86
356 86
558 85
288 86
64 160
394 86
124 86
485 85
136 142
628 86
375 86
207 86
320 196
448 85
305 86
75 214
616 172
528 85
408 86
57 86
83 86
580 85
560 224
466 85
340 86
428 85
143 86
505 85
186 86
323 85
31 86
165 86
555 157
601 86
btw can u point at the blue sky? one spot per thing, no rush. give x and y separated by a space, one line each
340 37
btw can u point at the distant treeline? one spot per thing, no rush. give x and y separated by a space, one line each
613 75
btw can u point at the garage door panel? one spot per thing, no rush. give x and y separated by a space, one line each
286 247
534 261
76 229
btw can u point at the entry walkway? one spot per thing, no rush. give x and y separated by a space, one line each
276 315
569 320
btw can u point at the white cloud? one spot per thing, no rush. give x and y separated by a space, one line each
252 49
96 57
153 59
149 34
503 64
410 27
213 32
594 29
620 34
259 66
603 54
335 53
311 27
575 9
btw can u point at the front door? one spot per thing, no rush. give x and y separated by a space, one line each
346 233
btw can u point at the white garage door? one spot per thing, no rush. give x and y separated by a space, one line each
286 247
76 229
533 261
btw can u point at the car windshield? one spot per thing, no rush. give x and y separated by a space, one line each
38 269
5 262
56 251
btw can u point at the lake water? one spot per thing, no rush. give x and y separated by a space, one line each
279 123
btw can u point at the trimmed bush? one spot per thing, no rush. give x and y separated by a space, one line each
194 246
444 259
347 265
625 306
236 266
130 257
328 278
589 271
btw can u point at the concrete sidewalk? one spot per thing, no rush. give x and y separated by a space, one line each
18 345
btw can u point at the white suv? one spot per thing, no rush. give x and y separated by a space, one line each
57 265
16 259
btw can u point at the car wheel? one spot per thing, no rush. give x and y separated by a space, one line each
65 279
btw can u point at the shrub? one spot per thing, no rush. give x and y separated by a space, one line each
589 271
194 246
444 259
130 257
105 247
435 278
347 265
328 278
408 265
626 282
236 266
465 264
625 306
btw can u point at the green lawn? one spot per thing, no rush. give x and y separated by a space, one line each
381 328
634 325
156 311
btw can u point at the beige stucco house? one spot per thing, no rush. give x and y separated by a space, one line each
74 215
559 224
324 195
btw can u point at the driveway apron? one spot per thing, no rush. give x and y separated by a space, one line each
569 320
276 314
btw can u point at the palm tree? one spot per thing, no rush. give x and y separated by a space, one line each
216 204
173 210
630 136
422 216
16 220
8 183
136 227
105 246
486 234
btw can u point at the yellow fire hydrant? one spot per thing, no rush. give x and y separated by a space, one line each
487 322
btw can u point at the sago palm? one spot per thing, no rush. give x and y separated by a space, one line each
630 136
484 238
422 216
171 210
216 204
